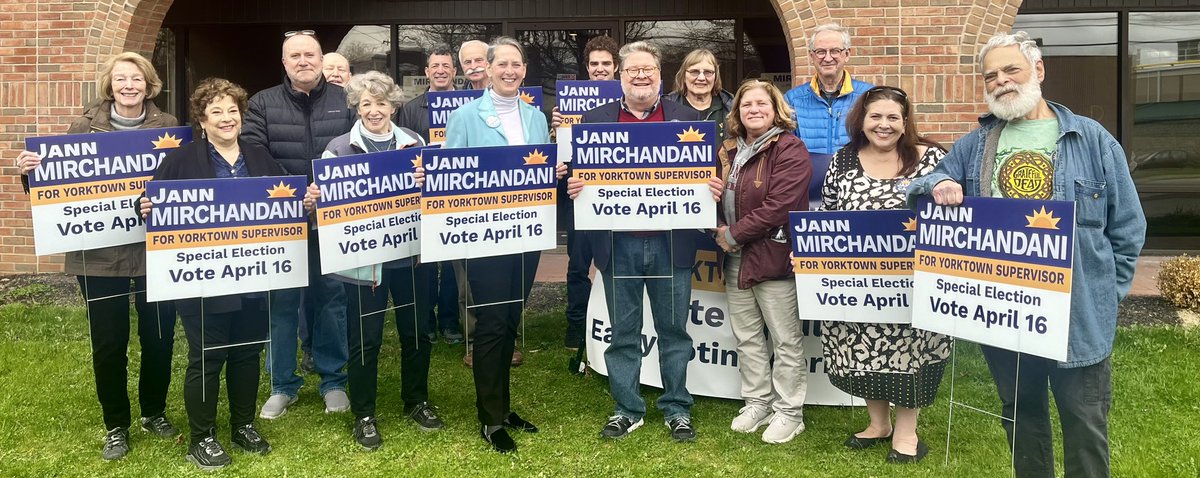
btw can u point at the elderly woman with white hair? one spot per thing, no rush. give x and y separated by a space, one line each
375 96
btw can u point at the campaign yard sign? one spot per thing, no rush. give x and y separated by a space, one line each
997 272
214 237
442 103
488 201
645 176
84 193
370 208
577 97
854 266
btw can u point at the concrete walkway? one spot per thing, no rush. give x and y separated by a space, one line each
553 268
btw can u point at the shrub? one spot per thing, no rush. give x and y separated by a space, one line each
1179 281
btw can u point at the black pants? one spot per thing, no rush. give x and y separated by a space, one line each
108 320
212 345
444 290
579 285
1083 396
366 310
499 287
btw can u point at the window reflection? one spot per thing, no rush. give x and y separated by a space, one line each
416 41
1079 51
366 47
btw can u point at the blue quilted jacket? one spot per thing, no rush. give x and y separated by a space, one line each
820 124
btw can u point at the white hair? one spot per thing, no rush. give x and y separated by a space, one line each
831 27
470 43
1028 46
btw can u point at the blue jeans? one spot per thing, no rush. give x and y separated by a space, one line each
330 349
634 259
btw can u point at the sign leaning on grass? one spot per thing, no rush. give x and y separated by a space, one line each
489 201
213 237
996 272
645 176
83 195
442 103
370 208
854 266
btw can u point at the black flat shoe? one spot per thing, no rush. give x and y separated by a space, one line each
856 442
515 422
499 440
900 458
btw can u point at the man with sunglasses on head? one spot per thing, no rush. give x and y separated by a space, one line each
822 104
295 121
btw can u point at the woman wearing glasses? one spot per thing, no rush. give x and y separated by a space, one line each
883 363
698 85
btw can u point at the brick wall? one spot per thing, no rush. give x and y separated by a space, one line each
50 51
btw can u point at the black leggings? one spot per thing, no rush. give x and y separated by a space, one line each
211 346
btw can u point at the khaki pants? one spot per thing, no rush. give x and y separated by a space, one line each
771 304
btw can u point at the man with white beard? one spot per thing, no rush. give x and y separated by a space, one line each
1031 148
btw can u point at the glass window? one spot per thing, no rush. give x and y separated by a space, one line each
366 47
417 40
765 53
1165 149
1080 54
553 55
164 64
675 39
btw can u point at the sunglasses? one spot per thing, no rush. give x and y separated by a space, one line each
899 92
293 33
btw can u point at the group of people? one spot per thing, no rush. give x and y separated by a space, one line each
879 161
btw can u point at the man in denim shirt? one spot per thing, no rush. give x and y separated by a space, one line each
1034 149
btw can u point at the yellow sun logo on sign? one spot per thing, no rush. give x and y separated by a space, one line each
910 224
166 141
281 191
527 98
536 157
690 135
417 161
1043 220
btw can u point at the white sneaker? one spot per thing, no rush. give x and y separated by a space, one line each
276 406
750 417
782 429
336 401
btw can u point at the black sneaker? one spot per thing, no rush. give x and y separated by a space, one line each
499 440
574 337
247 438
619 426
515 422
366 434
426 417
682 429
159 425
116 444
208 455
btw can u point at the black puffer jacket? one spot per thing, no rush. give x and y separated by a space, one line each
295 127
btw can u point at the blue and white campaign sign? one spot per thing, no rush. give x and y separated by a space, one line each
645 176
488 201
713 368
854 266
370 208
997 272
83 194
442 103
214 237
576 97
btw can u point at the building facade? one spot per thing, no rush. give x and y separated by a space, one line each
1111 60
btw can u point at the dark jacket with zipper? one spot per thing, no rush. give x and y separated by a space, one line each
192 161
295 127
771 184
128 260
726 99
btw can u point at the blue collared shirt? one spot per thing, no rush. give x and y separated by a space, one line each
221 168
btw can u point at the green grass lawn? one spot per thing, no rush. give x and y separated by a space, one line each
50 420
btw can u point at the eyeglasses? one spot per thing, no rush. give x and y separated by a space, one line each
821 52
639 71
899 92
299 32
697 73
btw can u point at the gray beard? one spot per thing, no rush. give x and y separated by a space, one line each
1029 95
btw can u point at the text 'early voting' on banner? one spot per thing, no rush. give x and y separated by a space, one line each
84 193
489 201
854 266
645 176
997 272
576 97
214 237
442 103
370 208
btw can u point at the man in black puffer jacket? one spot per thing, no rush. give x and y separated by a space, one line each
295 121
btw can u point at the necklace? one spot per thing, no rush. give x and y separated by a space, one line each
372 148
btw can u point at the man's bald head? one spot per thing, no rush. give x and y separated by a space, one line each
473 56
336 69
302 60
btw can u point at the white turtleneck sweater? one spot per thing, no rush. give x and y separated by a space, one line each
509 110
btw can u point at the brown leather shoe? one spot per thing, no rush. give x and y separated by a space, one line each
469 359
518 358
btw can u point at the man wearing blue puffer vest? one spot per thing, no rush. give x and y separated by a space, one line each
822 103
